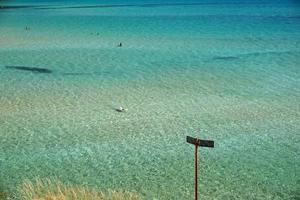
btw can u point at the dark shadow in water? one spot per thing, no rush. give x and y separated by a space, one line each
16 7
226 58
131 5
48 71
147 5
254 54
31 69
294 17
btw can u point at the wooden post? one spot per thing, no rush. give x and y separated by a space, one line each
196 172
202 143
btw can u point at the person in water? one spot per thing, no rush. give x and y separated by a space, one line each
121 109
120 44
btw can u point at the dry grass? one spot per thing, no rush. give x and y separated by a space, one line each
55 190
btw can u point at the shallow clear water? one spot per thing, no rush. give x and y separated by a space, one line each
228 72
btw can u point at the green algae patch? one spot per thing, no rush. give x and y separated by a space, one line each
3 195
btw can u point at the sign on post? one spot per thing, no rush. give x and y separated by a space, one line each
202 143
199 142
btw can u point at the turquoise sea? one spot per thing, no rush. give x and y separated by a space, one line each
222 70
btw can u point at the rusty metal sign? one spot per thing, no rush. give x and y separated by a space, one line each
199 142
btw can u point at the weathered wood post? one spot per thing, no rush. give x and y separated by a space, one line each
202 143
